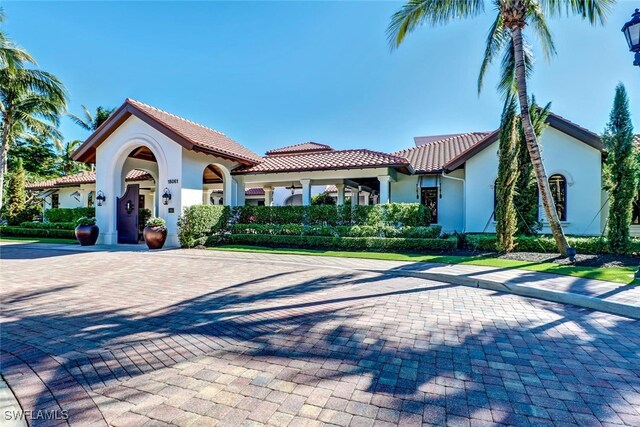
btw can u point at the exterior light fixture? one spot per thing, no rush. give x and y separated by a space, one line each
100 198
631 32
166 196
292 188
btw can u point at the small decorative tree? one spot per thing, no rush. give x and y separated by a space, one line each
506 216
16 195
323 198
621 171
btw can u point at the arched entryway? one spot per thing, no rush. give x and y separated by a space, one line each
216 185
139 198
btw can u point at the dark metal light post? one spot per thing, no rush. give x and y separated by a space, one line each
631 32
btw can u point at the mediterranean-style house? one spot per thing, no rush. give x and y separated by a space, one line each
148 158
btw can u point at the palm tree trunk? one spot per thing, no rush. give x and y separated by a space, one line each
532 146
4 150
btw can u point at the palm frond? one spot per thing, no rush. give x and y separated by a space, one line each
496 39
432 12
538 23
593 11
507 82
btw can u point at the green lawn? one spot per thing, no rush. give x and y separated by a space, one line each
618 274
37 240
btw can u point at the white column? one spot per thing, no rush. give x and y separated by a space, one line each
340 188
366 197
355 197
384 188
268 195
240 191
306 192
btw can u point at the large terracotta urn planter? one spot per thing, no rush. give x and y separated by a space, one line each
87 235
154 237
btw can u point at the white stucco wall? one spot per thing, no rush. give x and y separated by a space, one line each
407 189
111 157
562 154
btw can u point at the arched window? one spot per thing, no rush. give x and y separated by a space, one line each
558 186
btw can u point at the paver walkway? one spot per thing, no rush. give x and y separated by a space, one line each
190 339
609 291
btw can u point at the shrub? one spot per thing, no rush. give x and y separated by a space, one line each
545 244
430 232
198 222
84 220
36 232
323 198
154 221
341 243
49 225
68 214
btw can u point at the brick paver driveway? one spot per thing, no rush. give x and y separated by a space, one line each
165 338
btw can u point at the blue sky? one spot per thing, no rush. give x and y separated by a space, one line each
270 74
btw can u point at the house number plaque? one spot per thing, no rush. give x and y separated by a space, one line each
173 181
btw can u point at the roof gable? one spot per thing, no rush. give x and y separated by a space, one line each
190 135
553 120
430 154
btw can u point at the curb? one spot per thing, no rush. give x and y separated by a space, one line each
585 301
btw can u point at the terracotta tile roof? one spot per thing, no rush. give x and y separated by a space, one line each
421 140
432 156
84 178
190 135
197 134
305 147
336 159
247 192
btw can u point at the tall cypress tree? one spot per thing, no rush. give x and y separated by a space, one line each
506 216
526 198
621 171
16 195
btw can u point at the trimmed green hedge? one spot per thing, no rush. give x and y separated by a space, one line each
431 232
68 214
340 243
198 222
49 225
395 214
36 232
546 244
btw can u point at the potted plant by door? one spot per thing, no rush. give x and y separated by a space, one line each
155 233
87 231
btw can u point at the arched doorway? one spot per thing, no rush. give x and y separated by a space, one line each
216 185
139 197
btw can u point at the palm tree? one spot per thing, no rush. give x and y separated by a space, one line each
11 55
91 122
31 101
67 164
506 34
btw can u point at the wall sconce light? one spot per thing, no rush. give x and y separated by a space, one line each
100 198
129 206
166 196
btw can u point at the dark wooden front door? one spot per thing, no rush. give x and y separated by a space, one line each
128 215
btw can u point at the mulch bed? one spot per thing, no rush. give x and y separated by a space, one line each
581 260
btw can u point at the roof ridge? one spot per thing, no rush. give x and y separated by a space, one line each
134 101
440 141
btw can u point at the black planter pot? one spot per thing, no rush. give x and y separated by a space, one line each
154 237
87 234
